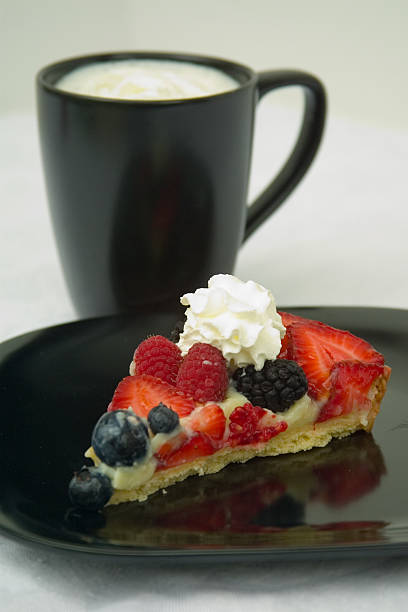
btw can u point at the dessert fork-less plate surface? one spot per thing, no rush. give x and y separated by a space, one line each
347 499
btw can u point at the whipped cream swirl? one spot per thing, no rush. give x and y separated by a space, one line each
237 317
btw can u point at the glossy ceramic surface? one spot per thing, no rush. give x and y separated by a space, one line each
349 498
159 188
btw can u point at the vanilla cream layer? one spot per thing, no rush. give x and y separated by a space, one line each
302 413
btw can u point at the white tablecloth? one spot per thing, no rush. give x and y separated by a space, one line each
340 239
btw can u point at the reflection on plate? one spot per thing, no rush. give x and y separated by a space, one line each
344 499
264 499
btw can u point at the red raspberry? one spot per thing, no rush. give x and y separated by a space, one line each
245 429
158 357
203 374
244 423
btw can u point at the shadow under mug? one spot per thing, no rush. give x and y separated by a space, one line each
148 199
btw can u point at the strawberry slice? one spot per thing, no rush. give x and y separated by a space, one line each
317 347
351 382
283 354
288 319
209 419
306 348
199 445
144 392
170 446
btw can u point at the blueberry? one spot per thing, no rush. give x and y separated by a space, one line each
84 519
90 489
163 419
120 438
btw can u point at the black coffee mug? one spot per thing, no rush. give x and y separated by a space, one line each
149 198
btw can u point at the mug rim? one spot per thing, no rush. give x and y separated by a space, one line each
60 68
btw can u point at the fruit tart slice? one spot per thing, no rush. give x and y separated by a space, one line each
242 381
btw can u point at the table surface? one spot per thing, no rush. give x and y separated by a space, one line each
340 239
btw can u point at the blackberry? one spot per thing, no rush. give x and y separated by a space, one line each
162 419
175 333
120 438
276 387
90 489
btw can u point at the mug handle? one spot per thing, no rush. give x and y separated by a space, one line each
305 148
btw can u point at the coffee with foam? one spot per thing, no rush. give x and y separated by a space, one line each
147 79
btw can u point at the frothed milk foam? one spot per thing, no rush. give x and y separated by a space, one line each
140 79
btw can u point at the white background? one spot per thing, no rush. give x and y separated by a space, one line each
357 47
341 238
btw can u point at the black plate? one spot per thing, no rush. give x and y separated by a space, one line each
349 498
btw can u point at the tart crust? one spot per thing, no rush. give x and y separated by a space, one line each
292 441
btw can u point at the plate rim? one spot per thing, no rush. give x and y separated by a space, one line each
295 552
